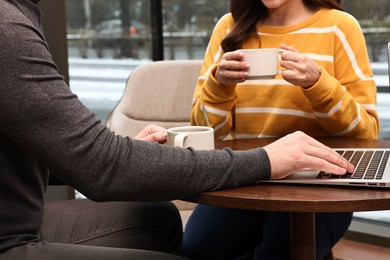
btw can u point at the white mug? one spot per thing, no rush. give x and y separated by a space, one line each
198 137
264 63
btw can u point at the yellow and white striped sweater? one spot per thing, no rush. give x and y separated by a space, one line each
342 103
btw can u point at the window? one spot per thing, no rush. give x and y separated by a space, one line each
108 38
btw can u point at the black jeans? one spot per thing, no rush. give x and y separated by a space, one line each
225 233
82 229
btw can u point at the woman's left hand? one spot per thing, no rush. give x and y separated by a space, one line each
299 69
153 133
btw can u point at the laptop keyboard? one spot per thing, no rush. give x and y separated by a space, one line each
369 164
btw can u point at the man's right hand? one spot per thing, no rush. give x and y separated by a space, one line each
298 151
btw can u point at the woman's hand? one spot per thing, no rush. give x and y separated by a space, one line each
300 70
152 133
231 69
297 151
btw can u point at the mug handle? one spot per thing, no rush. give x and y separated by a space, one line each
179 140
280 51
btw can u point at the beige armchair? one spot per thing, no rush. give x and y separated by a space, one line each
160 93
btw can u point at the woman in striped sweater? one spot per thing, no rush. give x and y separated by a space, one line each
326 90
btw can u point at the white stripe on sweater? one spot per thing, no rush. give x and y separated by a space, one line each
271 110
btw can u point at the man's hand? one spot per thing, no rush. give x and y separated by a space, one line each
153 133
298 151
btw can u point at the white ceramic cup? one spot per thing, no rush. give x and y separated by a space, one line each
264 63
198 137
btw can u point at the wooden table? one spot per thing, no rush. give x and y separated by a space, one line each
302 201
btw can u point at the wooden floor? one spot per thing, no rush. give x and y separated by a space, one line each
352 250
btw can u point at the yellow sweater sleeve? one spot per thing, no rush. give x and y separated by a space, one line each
344 103
213 103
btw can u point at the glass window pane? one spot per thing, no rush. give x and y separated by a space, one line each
106 40
110 29
109 38
374 18
187 26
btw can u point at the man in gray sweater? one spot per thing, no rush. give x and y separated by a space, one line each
44 127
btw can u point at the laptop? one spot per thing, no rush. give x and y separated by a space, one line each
372 169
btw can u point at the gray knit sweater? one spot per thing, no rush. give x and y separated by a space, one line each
44 127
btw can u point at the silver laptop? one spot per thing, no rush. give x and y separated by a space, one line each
372 169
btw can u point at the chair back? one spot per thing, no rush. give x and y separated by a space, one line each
159 92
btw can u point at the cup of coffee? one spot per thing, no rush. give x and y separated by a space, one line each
198 137
264 63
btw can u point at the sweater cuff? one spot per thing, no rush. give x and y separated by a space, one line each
320 91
